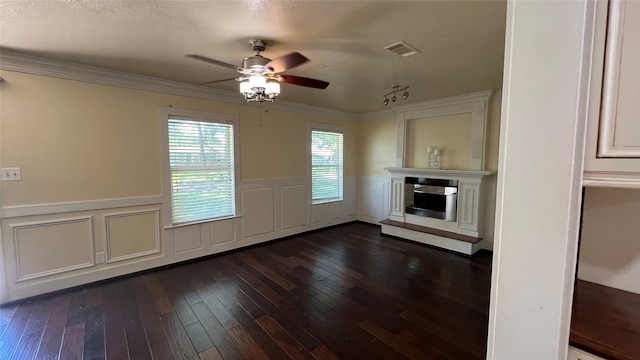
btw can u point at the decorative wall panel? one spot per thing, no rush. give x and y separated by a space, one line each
222 231
258 211
187 238
132 234
294 206
53 247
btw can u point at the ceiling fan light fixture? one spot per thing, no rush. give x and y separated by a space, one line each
259 88
257 83
405 95
272 89
260 77
386 101
245 88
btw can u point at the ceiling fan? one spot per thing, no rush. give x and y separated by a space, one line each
261 77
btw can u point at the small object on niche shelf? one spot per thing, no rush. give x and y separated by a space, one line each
433 158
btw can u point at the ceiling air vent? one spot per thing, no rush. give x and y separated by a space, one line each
402 48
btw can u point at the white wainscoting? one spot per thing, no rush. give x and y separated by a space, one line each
189 238
46 248
373 199
258 211
293 212
132 234
128 231
222 232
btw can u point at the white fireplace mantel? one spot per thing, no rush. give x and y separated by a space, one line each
475 204
439 173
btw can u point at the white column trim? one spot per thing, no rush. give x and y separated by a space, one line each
546 86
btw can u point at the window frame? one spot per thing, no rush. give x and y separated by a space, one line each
166 113
325 128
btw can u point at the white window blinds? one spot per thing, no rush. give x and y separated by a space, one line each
201 162
326 165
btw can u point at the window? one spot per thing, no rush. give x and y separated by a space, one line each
326 165
202 175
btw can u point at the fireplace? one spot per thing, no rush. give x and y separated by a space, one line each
434 198
438 206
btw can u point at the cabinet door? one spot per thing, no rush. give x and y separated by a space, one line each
620 109
612 149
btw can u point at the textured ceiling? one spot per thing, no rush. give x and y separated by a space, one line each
462 42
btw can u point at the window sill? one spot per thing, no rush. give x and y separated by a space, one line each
318 202
169 227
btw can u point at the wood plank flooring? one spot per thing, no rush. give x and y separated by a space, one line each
340 293
606 321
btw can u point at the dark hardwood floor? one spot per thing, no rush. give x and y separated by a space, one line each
341 293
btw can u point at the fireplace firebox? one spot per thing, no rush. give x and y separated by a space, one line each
434 198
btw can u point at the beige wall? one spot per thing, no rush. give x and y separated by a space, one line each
78 141
451 135
377 146
610 244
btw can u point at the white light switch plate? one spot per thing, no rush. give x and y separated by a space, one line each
11 174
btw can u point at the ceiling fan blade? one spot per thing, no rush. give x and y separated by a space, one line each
212 61
215 81
303 81
287 62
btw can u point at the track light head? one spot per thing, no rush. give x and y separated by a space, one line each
395 89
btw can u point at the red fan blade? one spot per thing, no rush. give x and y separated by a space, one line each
216 81
303 81
212 61
287 62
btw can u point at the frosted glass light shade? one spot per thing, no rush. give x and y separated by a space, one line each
245 87
258 82
273 88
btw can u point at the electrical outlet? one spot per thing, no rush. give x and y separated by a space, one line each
11 174
100 258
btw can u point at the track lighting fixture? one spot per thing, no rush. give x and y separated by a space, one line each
394 92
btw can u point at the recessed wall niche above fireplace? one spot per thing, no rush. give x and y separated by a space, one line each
449 208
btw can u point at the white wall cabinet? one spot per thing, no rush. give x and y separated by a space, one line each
613 133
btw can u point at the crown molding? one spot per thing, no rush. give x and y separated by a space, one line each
35 65
480 96
493 95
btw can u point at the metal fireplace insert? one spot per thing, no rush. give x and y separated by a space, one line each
435 198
